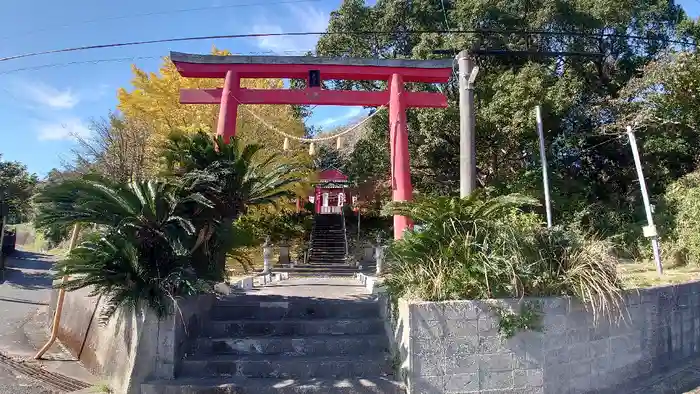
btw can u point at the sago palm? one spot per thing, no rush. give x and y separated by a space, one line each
231 176
146 247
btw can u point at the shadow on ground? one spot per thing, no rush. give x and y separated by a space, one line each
29 264
29 280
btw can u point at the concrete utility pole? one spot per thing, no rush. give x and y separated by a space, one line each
3 221
543 156
467 137
650 229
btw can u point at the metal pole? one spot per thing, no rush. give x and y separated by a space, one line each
650 229
545 176
358 225
2 242
467 138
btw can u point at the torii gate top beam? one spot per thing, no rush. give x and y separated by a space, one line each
298 67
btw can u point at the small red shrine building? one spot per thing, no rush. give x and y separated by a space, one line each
331 192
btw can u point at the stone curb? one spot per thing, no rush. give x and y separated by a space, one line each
372 283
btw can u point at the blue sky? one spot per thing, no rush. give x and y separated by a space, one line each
41 108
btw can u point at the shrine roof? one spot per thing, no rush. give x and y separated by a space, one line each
215 66
332 174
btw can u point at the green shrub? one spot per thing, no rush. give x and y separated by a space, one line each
680 220
279 226
482 248
618 224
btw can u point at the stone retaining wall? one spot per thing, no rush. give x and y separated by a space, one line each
134 346
455 347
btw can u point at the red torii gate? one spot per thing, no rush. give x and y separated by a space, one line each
314 70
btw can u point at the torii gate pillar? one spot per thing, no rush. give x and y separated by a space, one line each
228 110
400 167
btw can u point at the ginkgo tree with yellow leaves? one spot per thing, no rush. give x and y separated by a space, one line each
153 100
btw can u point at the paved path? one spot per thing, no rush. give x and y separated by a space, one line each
24 297
27 286
13 383
339 288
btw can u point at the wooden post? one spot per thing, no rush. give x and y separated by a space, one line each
59 303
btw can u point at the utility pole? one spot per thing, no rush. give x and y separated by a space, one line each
650 229
543 156
4 211
467 137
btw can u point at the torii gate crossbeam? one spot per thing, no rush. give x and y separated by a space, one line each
396 72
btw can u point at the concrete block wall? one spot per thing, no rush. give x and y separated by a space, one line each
455 347
134 346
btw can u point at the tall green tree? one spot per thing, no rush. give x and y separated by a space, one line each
16 188
588 164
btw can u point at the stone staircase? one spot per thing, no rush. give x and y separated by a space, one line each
264 344
328 251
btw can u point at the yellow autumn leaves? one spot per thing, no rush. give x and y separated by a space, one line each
153 103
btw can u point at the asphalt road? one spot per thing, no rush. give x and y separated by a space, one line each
12 383
25 288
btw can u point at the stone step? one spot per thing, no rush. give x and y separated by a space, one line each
292 327
337 254
326 265
319 345
314 269
250 308
328 274
327 235
367 385
285 367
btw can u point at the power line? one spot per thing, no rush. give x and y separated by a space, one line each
154 13
96 61
302 34
444 13
590 148
127 59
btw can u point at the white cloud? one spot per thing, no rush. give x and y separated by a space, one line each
350 114
300 18
49 96
67 129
